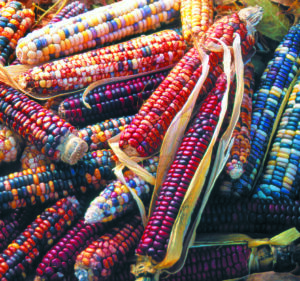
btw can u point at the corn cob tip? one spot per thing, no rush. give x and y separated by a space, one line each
93 215
252 15
74 149
236 171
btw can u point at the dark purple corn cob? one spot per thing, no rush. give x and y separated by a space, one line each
19 257
98 260
52 135
228 215
190 153
113 100
54 181
58 263
97 135
71 10
274 84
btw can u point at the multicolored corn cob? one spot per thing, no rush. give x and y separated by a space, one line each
274 84
100 258
55 181
188 156
95 28
71 10
144 135
10 145
116 200
17 260
53 136
58 263
15 22
196 17
240 151
32 158
113 100
280 177
139 55
239 215
97 135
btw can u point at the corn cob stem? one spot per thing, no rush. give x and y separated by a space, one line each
52 135
54 181
116 200
275 81
113 100
99 259
58 263
139 55
71 10
95 28
15 22
38 237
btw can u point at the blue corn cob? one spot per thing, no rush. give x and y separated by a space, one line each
116 200
275 81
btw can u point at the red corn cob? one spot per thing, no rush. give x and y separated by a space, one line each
99 259
140 55
17 260
144 135
241 146
58 263
52 135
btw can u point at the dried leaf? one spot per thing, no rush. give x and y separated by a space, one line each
274 23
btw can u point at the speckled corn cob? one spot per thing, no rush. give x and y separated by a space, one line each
113 100
240 151
54 181
99 259
280 177
32 158
97 135
144 135
116 200
16 261
94 29
58 263
239 215
188 156
53 136
71 10
266 102
15 21
196 17
138 55
10 145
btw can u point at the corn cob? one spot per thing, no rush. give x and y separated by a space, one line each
239 153
280 176
144 135
109 101
100 258
32 158
186 161
10 145
53 136
239 215
36 239
54 181
138 55
116 200
266 102
95 28
97 135
196 17
73 9
58 263
15 21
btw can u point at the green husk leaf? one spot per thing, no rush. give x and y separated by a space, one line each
274 23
